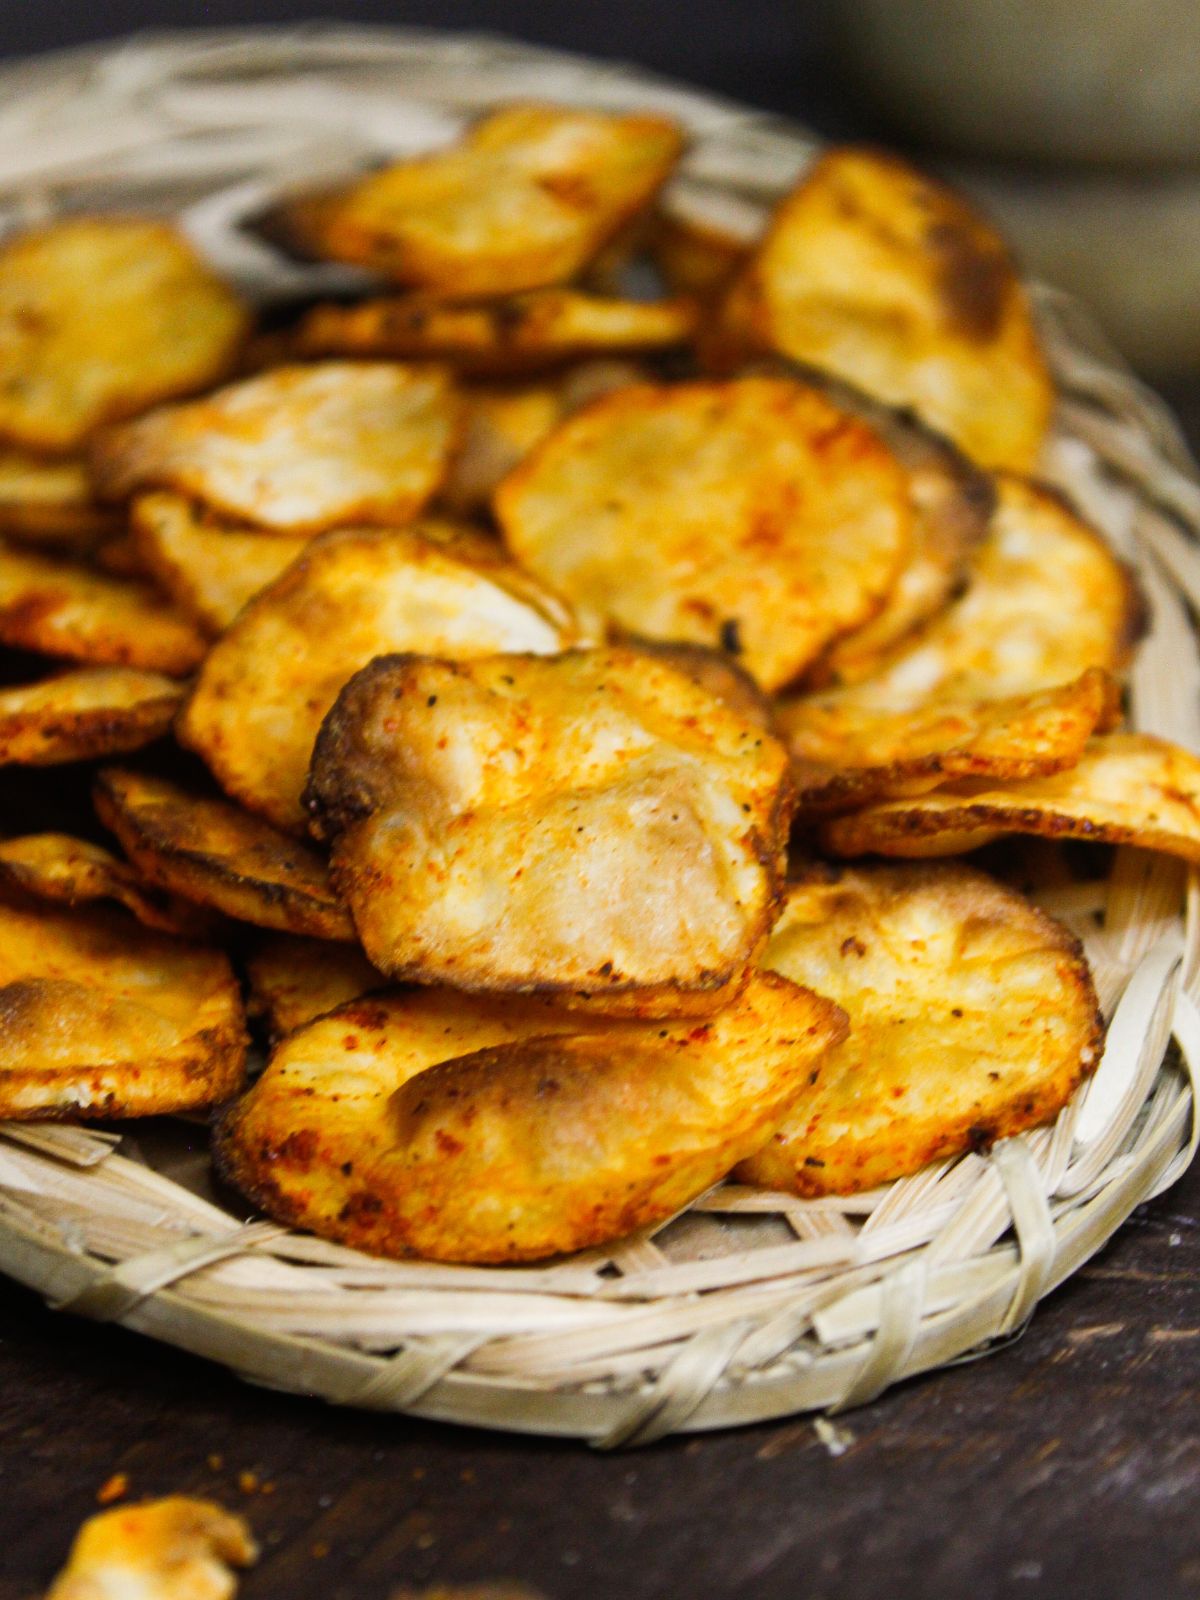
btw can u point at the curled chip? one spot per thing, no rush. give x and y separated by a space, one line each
101 317
177 1547
84 713
754 515
62 609
217 855
296 449
871 754
895 284
529 197
467 1129
59 867
269 680
593 824
103 1018
294 980
49 501
208 567
1046 600
972 1017
499 338
1128 788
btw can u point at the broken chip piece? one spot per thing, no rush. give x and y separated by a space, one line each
1127 788
469 1129
83 713
269 680
101 317
530 196
592 824
296 449
172 1549
753 515
215 854
972 1017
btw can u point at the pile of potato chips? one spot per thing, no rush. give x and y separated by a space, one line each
481 684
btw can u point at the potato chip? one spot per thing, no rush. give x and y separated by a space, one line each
293 980
972 1017
498 338
590 824
1128 788
101 317
468 1129
267 682
753 515
177 1548
104 1018
61 609
216 854
529 197
84 713
49 502
209 568
73 872
1046 601
716 673
297 449
699 238
875 754
893 282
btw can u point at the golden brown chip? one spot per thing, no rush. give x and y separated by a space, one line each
84 713
294 980
267 682
592 824
529 197
210 568
296 449
753 515
100 1017
1128 788
699 238
49 502
59 867
498 338
217 855
873 754
172 1549
61 609
893 282
718 674
101 317
465 1129
1046 601
972 1017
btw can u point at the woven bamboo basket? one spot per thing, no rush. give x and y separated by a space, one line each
750 1305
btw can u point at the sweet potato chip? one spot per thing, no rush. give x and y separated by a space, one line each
59 867
529 197
209 568
1128 788
469 1129
294 980
172 1549
1046 601
84 713
753 515
875 754
592 824
103 1018
49 502
101 317
294 450
972 1017
498 338
61 609
217 855
893 282
267 682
